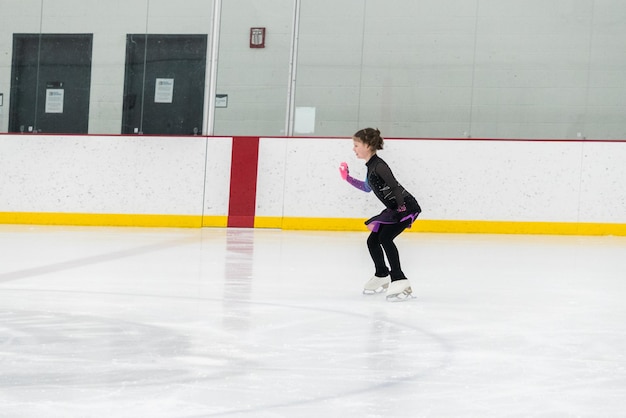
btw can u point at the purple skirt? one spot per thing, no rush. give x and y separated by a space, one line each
389 217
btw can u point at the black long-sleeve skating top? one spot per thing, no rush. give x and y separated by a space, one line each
386 188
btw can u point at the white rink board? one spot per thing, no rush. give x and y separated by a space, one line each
473 180
481 180
271 176
603 183
102 174
217 177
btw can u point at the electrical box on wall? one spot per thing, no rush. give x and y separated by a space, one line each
257 37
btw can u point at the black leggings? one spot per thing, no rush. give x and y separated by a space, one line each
383 240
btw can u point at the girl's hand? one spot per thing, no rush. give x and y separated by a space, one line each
400 212
344 171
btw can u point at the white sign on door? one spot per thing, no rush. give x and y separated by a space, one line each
54 100
164 90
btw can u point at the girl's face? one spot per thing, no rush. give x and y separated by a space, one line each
362 151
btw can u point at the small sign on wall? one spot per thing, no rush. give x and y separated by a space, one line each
221 100
164 90
54 100
304 120
257 37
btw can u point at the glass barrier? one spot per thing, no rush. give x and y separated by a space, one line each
313 68
97 68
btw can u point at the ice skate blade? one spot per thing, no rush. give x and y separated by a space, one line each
381 289
401 297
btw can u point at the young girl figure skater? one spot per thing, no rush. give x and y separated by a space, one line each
401 210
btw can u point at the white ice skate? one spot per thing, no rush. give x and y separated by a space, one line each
399 290
376 285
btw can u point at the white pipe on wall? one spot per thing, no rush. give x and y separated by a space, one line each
210 88
293 67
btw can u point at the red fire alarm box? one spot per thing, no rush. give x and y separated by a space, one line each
257 37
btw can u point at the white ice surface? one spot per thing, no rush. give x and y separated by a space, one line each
126 322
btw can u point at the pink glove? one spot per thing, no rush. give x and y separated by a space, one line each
345 174
343 170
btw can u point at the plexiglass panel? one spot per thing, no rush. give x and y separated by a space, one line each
412 68
71 61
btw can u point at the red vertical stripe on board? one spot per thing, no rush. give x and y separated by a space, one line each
243 178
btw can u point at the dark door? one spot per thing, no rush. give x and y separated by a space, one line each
164 84
50 83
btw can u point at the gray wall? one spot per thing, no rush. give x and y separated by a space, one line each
413 68
485 68
255 80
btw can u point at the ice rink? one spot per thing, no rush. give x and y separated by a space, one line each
141 322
